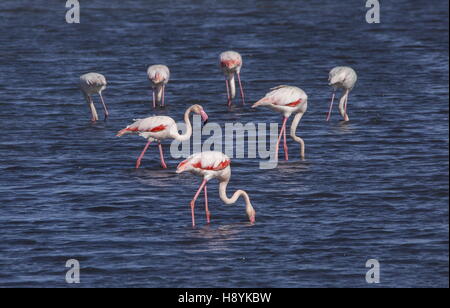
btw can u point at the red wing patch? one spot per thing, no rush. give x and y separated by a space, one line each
221 166
132 129
158 128
294 104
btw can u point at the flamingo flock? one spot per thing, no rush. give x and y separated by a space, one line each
284 99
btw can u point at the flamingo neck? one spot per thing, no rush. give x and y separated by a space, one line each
188 132
232 84
342 104
159 92
223 196
294 126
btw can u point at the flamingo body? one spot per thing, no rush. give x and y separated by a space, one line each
206 164
214 165
287 100
158 128
159 76
93 83
231 64
342 77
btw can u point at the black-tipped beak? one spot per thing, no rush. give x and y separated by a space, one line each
204 118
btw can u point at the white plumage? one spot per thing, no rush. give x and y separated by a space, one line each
231 64
159 76
342 77
162 127
214 165
287 100
93 83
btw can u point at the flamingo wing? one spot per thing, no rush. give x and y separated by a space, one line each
93 79
206 161
158 73
284 96
148 125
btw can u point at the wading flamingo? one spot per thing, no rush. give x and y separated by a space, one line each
214 165
287 100
159 76
158 128
343 77
93 83
231 64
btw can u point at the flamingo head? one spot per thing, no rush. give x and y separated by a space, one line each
251 213
199 110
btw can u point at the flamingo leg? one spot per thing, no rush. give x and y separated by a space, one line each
161 155
104 106
138 162
286 150
194 199
154 99
331 106
228 92
163 92
242 89
208 215
283 128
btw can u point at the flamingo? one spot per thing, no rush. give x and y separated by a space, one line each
341 77
287 100
214 165
231 63
158 128
159 77
93 83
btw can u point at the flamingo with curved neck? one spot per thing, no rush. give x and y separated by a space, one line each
158 128
287 100
214 165
231 64
343 77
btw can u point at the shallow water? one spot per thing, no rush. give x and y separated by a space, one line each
376 187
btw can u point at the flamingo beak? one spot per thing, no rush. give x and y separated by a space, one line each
204 117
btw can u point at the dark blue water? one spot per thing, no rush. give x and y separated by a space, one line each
376 187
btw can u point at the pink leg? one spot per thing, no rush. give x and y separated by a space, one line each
286 150
193 201
138 162
208 215
104 106
242 89
228 92
283 127
161 154
154 99
331 106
